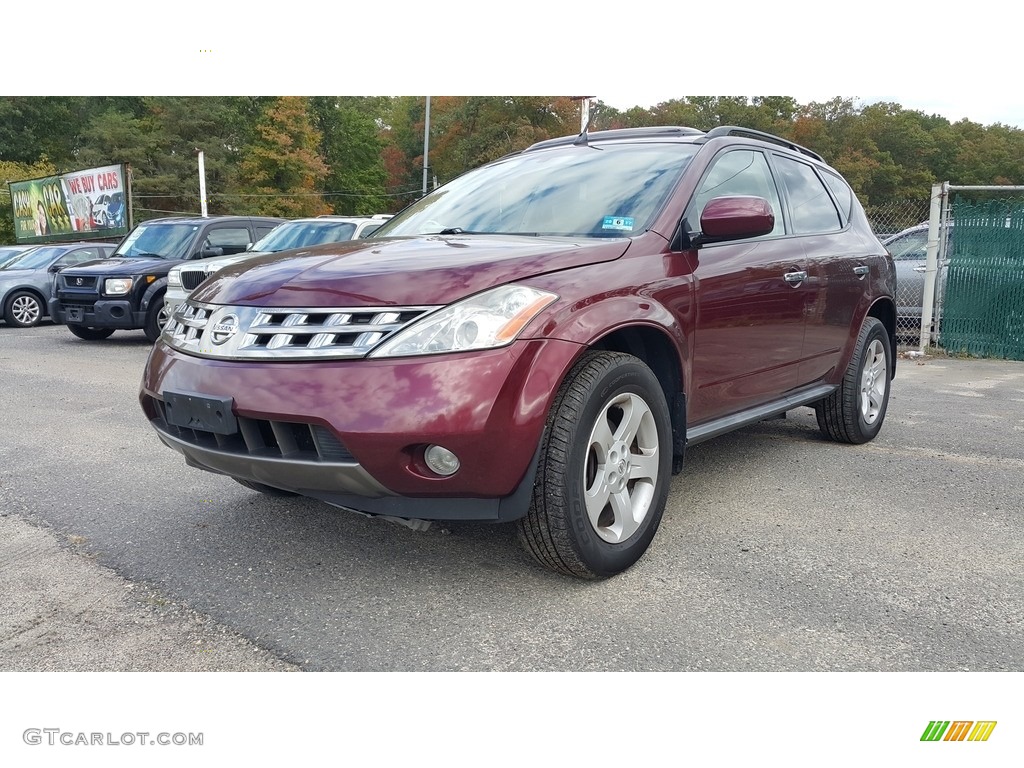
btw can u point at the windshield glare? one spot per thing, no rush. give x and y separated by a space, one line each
34 259
300 234
168 241
604 190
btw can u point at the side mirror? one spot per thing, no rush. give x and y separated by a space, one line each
736 218
210 251
53 268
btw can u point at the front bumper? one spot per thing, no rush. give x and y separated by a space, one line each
352 432
105 313
172 298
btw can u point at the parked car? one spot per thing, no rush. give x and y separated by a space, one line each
126 291
115 210
540 339
909 251
11 252
297 233
26 282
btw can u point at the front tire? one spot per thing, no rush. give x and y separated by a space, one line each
156 318
90 334
23 310
854 413
604 471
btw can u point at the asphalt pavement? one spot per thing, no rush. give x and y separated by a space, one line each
779 550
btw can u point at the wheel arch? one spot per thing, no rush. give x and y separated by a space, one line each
44 311
154 290
884 310
657 350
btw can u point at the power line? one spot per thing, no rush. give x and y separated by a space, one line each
193 196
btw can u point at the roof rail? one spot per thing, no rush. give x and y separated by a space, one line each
619 133
736 130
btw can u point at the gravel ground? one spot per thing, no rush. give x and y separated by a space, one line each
63 611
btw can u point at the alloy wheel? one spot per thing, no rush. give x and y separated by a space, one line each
621 469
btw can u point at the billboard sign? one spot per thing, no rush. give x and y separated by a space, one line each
79 205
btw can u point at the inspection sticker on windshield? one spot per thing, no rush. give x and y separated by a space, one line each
617 222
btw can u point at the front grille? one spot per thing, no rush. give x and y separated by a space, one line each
283 334
260 437
84 303
191 278
74 281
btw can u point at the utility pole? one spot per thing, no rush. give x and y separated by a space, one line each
426 146
584 110
202 184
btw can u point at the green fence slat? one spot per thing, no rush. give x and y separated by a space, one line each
983 304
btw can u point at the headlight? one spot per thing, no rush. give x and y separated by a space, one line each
174 278
491 319
117 286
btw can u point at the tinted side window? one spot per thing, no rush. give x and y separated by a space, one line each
264 229
809 203
843 193
231 239
910 247
79 256
740 172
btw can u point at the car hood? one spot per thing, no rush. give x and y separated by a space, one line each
219 262
418 271
14 275
121 266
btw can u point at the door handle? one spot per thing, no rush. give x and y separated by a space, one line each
861 270
794 278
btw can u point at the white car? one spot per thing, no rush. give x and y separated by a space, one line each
298 233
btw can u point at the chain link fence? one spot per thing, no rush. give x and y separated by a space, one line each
902 225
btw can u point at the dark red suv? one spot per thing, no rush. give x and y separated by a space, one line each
540 339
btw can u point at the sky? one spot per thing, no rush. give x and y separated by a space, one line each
637 54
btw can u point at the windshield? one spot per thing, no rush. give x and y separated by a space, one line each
299 234
602 190
9 254
34 259
167 241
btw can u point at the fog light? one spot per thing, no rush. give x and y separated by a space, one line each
441 460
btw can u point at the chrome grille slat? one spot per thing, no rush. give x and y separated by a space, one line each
288 333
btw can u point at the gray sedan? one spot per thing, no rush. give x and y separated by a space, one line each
909 249
26 282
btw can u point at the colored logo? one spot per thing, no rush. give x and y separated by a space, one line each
958 730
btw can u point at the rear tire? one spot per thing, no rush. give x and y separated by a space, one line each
854 413
90 334
266 490
23 310
604 471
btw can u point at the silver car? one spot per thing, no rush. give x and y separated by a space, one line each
297 233
26 282
909 249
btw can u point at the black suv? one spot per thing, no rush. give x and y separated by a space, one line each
126 291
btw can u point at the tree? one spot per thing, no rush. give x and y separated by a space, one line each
352 149
281 171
